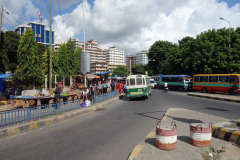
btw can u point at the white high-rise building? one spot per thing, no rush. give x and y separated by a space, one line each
141 57
77 43
114 58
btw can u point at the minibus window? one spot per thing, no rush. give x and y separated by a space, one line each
223 78
213 78
233 79
196 79
203 78
139 81
128 84
132 82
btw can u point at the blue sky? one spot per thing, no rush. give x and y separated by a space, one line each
129 25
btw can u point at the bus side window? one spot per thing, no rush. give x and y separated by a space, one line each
203 78
163 79
181 79
233 79
223 78
196 78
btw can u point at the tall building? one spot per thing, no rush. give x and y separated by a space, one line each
57 46
40 33
141 57
114 58
77 43
97 67
96 54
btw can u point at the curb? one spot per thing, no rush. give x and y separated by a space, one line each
215 98
15 130
135 152
227 134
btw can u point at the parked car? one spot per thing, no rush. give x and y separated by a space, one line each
153 83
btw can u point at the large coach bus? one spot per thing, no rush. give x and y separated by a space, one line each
138 86
176 82
215 82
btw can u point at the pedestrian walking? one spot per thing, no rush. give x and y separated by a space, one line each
234 88
125 88
113 85
120 87
104 86
57 94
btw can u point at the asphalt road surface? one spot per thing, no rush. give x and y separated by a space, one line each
110 134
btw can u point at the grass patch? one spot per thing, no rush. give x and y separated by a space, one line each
213 154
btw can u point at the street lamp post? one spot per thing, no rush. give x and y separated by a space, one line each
229 31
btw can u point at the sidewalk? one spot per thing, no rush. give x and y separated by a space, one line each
216 96
146 149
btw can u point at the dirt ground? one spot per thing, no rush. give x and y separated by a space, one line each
232 153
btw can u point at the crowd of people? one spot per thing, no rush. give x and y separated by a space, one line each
102 87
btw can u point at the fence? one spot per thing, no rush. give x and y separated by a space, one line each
36 113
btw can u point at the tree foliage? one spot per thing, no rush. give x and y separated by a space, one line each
209 52
45 63
3 55
138 68
11 40
120 71
28 68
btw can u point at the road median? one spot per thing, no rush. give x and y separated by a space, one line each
228 98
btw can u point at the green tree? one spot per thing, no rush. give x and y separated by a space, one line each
11 43
76 62
45 63
158 55
3 55
28 68
120 71
71 58
138 68
63 61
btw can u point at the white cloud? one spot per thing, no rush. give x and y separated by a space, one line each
134 25
20 10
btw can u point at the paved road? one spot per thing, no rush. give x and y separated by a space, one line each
108 134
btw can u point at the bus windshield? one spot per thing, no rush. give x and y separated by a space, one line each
188 79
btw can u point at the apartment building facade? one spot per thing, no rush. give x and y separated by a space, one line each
114 58
141 58
97 67
40 33
77 43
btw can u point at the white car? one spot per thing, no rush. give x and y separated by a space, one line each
153 83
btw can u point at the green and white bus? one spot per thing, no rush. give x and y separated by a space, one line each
138 86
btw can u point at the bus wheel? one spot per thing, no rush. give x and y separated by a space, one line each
204 90
230 91
131 98
180 89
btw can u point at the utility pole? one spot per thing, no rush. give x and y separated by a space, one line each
130 66
1 22
50 45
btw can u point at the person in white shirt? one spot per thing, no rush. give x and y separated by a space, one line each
165 85
85 94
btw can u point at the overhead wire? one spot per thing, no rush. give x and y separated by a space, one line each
59 8
47 6
12 16
8 20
